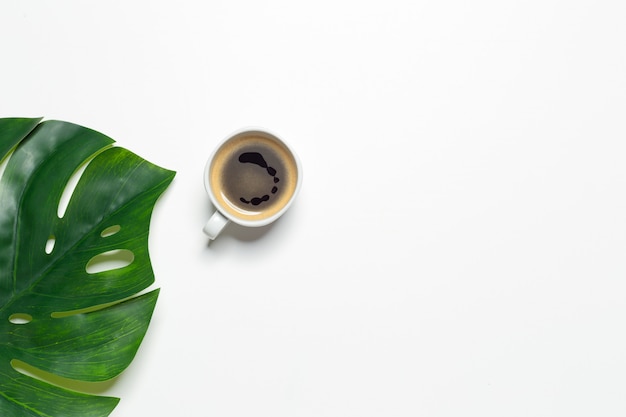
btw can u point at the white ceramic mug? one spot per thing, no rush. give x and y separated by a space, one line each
252 177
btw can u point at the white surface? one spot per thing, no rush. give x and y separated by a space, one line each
459 244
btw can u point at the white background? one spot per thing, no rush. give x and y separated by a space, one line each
459 244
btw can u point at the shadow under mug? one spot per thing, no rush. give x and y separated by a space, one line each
252 177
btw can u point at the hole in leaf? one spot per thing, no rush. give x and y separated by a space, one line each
110 231
69 189
62 314
20 318
50 244
66 195
107 261
93 388
4 162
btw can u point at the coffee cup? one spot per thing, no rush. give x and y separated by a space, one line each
252 177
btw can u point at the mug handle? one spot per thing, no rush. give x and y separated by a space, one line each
214 226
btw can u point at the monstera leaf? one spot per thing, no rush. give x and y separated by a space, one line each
71 278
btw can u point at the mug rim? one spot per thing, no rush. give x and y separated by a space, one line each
220 208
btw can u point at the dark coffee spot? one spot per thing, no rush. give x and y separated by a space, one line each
257 159
256 200
253 158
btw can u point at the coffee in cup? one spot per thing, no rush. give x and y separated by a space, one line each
252 178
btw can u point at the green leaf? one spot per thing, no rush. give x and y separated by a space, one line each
69 283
